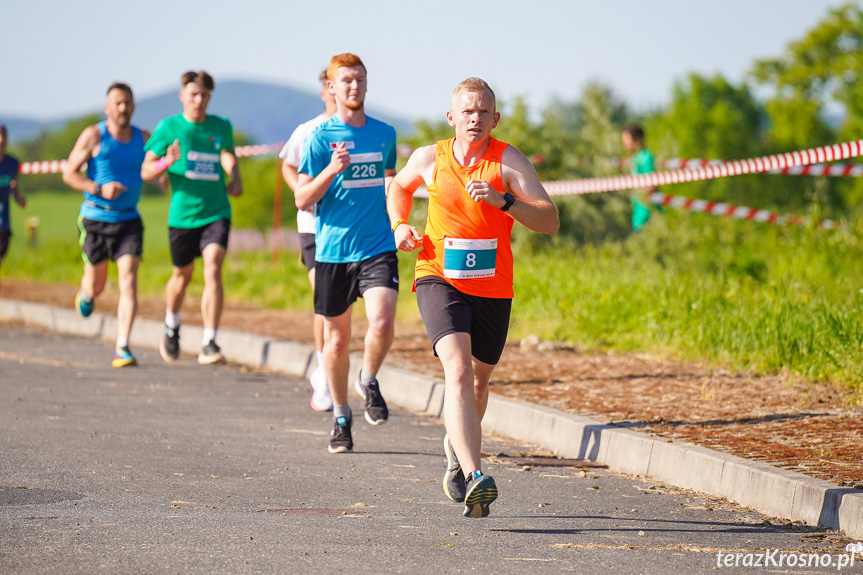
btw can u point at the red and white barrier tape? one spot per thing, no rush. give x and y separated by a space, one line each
57 166
739 212
736 168
840 170
45 167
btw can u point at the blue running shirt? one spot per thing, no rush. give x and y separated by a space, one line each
115 162
352 222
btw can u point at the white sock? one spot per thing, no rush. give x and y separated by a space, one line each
122 342
172 320
319 356
209 335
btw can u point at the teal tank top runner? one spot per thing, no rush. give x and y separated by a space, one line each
116 162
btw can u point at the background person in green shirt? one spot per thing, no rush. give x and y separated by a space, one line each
643 162
197 150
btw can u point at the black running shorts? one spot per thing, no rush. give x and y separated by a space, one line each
103 240
4 242
307 245
446 310
188 244
337 286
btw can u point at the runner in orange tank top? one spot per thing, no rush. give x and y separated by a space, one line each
453 216
477 187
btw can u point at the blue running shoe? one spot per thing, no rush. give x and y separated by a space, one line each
481 491
84 304
123 357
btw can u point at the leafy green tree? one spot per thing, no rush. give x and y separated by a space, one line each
822 68
712 118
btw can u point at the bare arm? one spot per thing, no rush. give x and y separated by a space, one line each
162 180
153 166
232 167
533 208
310 190
86 147
400 196
290 174
19 197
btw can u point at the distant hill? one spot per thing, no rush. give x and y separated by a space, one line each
266 113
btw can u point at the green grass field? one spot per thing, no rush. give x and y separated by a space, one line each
688 286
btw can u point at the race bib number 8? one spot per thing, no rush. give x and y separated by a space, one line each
469 259
365 171
202 166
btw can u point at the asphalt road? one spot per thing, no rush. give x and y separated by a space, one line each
189 469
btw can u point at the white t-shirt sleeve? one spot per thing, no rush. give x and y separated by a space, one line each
293 149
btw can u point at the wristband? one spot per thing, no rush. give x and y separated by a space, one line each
397 224
161 164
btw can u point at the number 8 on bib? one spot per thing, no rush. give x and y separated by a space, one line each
469 259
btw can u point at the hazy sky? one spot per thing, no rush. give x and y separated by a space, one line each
60 56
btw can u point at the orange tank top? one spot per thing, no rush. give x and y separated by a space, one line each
467 243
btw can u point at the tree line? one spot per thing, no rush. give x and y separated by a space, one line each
706 117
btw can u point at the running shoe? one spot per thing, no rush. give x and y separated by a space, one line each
481 491
453 479
123 357
210 354
321 400
84 304
376 408
340 436
169 347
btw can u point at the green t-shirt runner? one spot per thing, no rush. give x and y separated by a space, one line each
198 194
642 163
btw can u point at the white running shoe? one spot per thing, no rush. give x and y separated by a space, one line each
321 400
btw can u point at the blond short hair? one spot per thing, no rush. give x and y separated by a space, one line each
474 84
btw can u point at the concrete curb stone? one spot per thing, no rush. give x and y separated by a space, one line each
765 488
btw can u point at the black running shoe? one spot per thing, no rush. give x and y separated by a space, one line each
453 480
169 347
340 436
376 408
210 354
481 491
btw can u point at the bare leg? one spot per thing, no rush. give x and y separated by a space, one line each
465 397
318 325
380 311
175 291
127 276
95 276
213 296
337 362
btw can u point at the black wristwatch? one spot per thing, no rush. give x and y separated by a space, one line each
509 199
97 190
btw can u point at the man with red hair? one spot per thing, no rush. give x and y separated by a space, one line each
346 166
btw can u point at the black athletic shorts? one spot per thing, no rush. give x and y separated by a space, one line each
337 286
103 240
4 242
188 244
307 245
446 310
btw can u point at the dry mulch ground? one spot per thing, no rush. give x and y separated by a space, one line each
807 427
